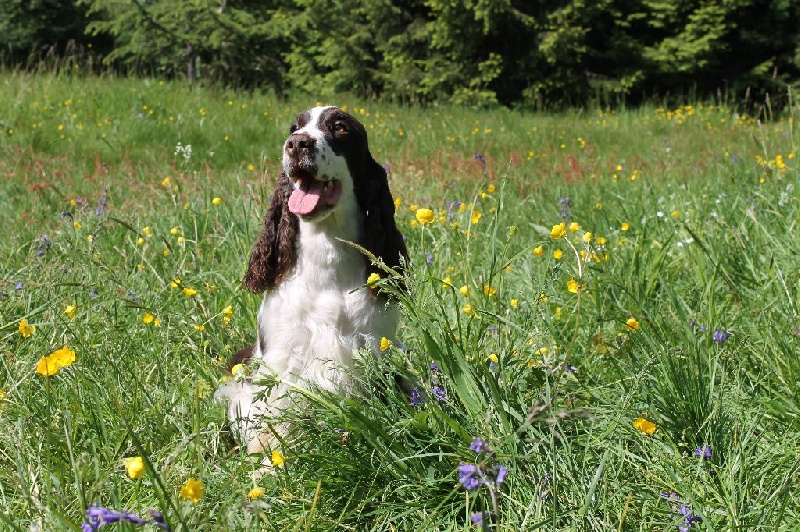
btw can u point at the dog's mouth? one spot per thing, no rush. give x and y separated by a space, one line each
312 196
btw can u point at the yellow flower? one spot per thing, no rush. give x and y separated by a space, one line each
468 309
558 231
50 364
424 216
538 251
492 358
71 311
189 292
134 467
648 427
165 252
216 201
373 279
3 395
490 188
255 493
24 329
277 459
475 218
557 254
238 369
447 282
385 343
140 241
464 290
632 324
174 231
676 214
175 283
148 318
489 290
199 328
587 237
514 303
600 241
76 225
625 226
181 241
228 311
573 286
192 490
574 227
210 287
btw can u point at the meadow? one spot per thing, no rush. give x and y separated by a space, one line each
602 321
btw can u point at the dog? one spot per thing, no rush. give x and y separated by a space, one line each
317 308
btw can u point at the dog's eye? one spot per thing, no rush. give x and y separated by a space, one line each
340 127
293 128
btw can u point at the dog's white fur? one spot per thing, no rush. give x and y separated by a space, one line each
318 316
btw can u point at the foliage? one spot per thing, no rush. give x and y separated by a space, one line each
478 52
633 369
31 26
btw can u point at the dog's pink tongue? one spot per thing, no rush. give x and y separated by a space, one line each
305 197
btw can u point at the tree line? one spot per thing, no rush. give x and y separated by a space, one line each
537 53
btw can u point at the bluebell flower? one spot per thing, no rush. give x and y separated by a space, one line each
500 474
439 394
477 519
703 452
435 368
469 475
721 336
480 158
44 246
480 446
98 516
18 286
428 257
101 205
564 202
415 397
569 368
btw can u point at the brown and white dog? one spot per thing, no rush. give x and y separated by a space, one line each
316 311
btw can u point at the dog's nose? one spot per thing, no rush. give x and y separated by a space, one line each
298 143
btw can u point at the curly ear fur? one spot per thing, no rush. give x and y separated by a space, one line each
381 236
274 252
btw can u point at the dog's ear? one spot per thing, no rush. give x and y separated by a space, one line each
274 252
381 236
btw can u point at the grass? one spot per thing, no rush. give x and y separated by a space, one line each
693 218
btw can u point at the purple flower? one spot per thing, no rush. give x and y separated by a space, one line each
428 257
439 394
721 336
564 207
435 368
480 158
500 477
98 516
469 475
415 398
44 246
101 205
703 452
477 519
18 286
569 368
480 446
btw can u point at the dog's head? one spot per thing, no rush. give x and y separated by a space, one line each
326 162
326 153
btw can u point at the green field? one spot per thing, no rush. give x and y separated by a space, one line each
639 373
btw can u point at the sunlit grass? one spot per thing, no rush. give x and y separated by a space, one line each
598 359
